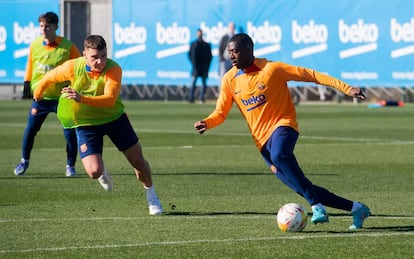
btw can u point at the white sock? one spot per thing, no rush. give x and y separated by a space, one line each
356 206
151 194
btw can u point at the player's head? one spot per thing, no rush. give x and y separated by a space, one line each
95 52
49 23
240 48
49 17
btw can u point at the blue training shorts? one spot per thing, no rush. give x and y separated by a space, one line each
119 131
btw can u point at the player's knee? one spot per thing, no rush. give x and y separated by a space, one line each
279 157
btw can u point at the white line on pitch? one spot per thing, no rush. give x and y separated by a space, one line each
229 240
176 217
213 133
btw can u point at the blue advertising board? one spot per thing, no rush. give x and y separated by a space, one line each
368 43
19 26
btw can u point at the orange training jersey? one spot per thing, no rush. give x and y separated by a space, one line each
263 97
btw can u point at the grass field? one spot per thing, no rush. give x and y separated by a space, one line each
220 200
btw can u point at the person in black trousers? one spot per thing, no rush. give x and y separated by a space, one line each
200 57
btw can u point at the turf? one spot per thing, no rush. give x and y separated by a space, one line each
220 200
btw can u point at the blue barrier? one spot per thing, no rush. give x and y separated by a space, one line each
367 42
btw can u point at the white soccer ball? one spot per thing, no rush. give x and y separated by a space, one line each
292 217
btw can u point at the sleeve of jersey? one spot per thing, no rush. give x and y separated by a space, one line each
296 73
111 92
59 74
28 72
223 106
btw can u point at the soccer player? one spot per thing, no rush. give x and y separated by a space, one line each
46 52
92 105
259 88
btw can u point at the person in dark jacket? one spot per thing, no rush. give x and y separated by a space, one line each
200 57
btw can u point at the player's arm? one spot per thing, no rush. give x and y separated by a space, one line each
223 106
28 72
297 73
324 79
111 91
62 73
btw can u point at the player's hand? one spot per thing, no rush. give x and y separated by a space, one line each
356 92
71 93
200 126
37 96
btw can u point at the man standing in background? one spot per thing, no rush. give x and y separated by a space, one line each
200 56
46 52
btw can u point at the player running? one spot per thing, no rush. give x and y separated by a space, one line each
259 89
93 106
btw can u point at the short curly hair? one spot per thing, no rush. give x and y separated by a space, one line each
243 41
95 42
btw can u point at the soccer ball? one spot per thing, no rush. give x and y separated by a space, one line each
292 217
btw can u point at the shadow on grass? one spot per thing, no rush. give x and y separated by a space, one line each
84 175
244 213
269 173
409 228
130 172
42 177
209 214
385 229
216 173
393 228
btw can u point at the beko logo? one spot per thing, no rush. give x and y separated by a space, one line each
3 38
361 33
172 35
133 36
24 35
254 101
402 32
265 34
312 34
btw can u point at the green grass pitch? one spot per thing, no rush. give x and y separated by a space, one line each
220 199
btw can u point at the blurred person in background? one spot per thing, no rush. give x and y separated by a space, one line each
200 57
224 58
